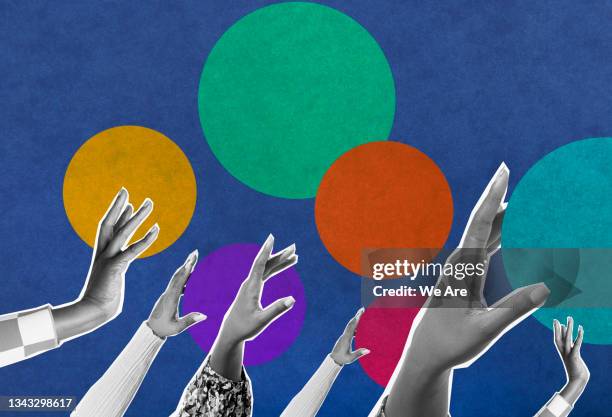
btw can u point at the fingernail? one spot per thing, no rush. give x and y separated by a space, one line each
122 190
201 317
155 228
289 302
366 351
580 329
192 256
291 249
503 206
360 312
147 202
539 294
503 169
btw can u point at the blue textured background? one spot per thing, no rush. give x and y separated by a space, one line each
477 82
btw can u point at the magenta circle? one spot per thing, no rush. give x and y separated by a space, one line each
211 290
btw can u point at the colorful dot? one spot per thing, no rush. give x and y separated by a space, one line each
382 195
384 330
213 287
147 164
289 88
563 203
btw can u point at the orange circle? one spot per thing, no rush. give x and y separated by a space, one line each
382 195
147 164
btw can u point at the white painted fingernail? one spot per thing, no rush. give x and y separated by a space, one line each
366 351
289 301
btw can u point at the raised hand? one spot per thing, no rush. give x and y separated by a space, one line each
246 317
164 319
343 354
576 369
452 332
101 299
468 321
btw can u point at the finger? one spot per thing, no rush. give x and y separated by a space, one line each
578 342
259 264
125 216
494 242
351 327
478 229
189 320
358 354
277 258
557 335
137 248
280 267
569 335
124 234
276 309
513 308
105 227
182 274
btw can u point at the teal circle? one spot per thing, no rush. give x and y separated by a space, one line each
563 207
288 89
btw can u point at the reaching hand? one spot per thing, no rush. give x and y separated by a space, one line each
576 369
164 319
111 259
101 299
343 354
246 317
467 321
453 331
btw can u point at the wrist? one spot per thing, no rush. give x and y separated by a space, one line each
334 358
423 364
154 329
228 340
572 390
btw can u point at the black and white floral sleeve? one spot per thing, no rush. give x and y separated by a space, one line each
212 395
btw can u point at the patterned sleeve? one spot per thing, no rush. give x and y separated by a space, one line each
26 334
212 395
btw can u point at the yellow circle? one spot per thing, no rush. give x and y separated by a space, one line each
147 164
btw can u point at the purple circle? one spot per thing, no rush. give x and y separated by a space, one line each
214 284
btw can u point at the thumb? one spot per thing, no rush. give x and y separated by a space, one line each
277 309
189 320
358 354
514 307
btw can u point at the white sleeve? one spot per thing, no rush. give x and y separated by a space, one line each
112 394
26 334
309 400
557 406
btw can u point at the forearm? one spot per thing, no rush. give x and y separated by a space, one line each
419 390
112 394
572 390
75 319
226 356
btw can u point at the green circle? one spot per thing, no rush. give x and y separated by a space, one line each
287 90
560 214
